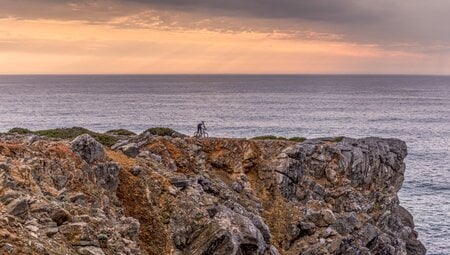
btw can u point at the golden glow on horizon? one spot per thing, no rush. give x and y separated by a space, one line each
50 46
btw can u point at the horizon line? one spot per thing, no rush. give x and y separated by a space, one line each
220 74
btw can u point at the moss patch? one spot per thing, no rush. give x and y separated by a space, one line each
338 139
297 139
120 132
69 133
161 131
268 137
18 130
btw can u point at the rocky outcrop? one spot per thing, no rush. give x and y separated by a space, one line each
165 195
88 148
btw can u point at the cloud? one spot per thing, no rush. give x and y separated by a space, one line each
359 21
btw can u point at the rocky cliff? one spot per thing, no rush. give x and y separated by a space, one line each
164 195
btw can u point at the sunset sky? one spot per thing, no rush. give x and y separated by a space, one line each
225 36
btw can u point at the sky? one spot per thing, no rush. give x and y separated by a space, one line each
225 37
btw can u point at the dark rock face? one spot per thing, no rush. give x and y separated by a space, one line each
362 180
88 148
163 195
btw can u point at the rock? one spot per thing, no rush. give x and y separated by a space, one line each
405 216
237 186
88 148
102 240
78 198
9 196
274 250
76 232
368 233
60 216
130 228
90 250
106 175
32 139
229 233
307 228
328 216
18 207
321 218
415 247
207 196
136 170
4 166
32 228
50 232
7 248
131 150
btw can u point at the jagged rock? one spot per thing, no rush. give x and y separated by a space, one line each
237 186
307 228
229 233
4 166
107 175
179 182
90 250
136 170
32 139
88 148
7 248
60 216
130 228
50 232
19 207
79 198
9 196
76 233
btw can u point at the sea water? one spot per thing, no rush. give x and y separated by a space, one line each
415 109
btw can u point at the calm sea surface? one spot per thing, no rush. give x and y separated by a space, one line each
413 108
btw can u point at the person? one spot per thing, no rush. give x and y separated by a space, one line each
201 128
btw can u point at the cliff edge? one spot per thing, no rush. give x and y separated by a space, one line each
162 195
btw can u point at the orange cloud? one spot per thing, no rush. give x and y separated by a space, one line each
52 46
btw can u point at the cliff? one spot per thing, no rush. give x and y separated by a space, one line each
162 195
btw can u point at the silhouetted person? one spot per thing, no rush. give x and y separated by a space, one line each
201 127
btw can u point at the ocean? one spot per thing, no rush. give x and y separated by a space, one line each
415 109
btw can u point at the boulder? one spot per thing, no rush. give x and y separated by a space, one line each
19 207
88 148
60 216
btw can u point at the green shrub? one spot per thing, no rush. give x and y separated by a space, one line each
297 139
63 133
106 140
338 139
71 133
18 130
120 132
161 131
